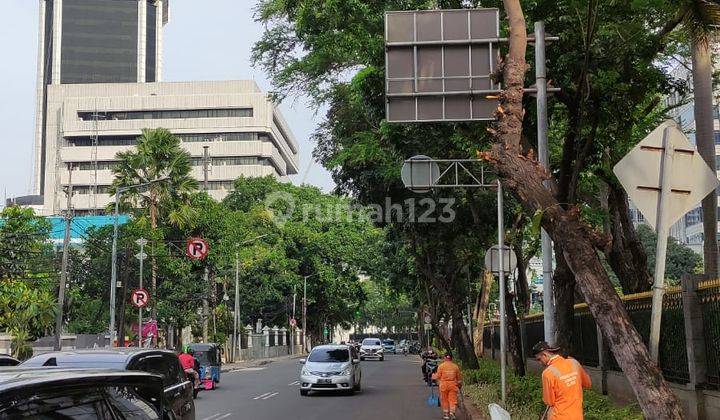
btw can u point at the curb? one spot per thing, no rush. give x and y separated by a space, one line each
470 411
258 363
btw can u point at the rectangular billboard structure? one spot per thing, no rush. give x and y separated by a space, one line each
438 65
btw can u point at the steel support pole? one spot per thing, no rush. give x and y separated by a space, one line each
503 322
292 327
542 130
140 309
661 228
63 272
113 271
304 314
236 344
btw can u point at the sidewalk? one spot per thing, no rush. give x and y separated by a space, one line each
231 367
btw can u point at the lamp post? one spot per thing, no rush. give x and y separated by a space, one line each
113 272
304 310
236 315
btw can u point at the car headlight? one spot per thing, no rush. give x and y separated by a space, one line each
305 372
362 350
346 372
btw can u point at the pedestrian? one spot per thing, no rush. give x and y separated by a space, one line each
563 381
449 380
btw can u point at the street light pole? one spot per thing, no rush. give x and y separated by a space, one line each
304 313
237 304
113 270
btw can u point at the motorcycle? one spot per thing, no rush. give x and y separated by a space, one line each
198 384
429 368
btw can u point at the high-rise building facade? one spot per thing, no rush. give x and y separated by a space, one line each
88 124
99 86
95 41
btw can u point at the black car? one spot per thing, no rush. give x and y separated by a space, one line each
56 393
6 360
178 388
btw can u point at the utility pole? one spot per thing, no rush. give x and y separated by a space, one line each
141 256
124 278
236 315
292 327
542 134
63 272
469 308
304 313
206 305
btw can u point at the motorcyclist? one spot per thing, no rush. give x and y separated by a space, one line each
429 354
190 364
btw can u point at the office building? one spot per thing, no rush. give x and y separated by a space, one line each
94 41
88 124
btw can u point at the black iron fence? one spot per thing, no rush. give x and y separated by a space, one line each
673 358
709 297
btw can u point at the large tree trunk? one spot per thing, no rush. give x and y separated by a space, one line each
702 90
480 312
525 178
513 333
626 256
462 342
564 291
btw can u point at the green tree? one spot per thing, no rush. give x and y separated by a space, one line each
680 259
25 251
27 312
158 156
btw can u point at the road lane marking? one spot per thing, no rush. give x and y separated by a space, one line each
263 395
213 417
294 383
222 417
270 396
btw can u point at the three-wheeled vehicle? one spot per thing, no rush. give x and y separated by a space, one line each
209 357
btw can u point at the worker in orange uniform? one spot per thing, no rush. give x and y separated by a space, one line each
449 380
563 381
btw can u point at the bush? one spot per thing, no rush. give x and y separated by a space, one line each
524 395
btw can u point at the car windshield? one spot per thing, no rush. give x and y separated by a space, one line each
389 342
371 342
329 355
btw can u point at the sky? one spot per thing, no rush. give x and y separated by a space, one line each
204 40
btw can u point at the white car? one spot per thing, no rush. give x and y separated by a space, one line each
331 368
372 348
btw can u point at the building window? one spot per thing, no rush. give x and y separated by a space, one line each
89 166
221 185
167 114
185 138
226 161
87 189
716 135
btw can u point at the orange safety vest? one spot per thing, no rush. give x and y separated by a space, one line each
448 372
563 382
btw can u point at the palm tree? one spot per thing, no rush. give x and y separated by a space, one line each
699 20
158 155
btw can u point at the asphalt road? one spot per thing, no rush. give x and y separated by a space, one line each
390 390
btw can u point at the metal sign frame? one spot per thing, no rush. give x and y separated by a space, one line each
453 90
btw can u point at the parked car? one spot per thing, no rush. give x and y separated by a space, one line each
389 346
56 393
7 360
178 389
331 368
372 348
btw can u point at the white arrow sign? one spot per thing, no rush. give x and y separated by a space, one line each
665 177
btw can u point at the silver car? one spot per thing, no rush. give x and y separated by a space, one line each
331 368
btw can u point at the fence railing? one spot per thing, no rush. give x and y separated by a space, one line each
679 304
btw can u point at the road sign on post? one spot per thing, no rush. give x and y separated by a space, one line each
665 177
293 322
197 249
420 173
439 65
492 259
140 298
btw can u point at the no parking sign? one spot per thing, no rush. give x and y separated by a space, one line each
196 249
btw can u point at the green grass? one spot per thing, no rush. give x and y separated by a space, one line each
524 398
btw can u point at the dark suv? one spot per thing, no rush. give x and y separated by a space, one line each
55 393
178 390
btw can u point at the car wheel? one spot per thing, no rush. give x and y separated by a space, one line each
362 358
195 393
382 359
304 392
358 387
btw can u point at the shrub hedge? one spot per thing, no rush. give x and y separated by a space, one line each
524 395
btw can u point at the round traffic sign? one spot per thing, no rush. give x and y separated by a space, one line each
140 298
492 259
419 173
197 249
293 322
